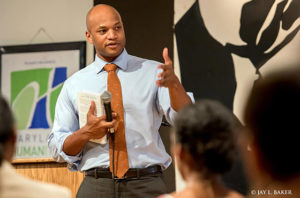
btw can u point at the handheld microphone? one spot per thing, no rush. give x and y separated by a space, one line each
106 98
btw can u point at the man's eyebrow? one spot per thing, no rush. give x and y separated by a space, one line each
118 23
101 27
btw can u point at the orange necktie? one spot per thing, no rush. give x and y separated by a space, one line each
120 155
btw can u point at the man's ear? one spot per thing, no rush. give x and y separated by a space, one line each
89 37
259 160
178 152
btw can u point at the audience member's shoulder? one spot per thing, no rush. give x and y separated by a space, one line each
165 196
185 193
51 190
18 186
234 194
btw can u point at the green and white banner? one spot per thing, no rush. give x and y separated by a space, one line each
31 82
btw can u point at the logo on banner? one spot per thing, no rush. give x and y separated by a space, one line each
33 96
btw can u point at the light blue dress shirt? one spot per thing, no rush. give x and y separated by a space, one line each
144 106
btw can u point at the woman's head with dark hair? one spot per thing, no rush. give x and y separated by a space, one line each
6 125
271 115
206 130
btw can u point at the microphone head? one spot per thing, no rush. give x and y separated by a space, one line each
106 97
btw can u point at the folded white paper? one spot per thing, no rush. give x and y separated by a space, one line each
84 100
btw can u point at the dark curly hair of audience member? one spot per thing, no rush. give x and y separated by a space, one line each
6 124
207 130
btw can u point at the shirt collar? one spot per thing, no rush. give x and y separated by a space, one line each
120 61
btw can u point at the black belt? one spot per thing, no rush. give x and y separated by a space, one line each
131 173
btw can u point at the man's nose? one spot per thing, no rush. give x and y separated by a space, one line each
112 34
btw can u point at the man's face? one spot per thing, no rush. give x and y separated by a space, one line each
106 33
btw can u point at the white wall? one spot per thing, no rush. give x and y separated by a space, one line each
62 20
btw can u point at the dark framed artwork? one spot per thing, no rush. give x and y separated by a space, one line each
31 78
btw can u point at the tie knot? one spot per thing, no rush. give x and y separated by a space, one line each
110 67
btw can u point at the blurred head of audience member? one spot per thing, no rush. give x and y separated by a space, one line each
11 183
204 148
7 132
272 120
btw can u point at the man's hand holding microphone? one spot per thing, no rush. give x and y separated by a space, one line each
95 128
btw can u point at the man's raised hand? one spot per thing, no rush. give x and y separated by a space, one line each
167 77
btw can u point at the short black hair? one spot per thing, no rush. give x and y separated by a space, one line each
6 124
272 116
206 130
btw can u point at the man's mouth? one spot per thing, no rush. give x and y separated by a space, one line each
112 45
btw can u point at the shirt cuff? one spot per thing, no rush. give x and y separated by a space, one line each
191 95
72 160
171 116
172 113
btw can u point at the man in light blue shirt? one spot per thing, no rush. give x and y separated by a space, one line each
149 91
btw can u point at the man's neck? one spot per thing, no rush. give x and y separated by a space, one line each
108 59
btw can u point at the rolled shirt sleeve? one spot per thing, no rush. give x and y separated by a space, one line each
164 104
65 123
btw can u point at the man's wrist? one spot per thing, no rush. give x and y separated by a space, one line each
83 133
175 84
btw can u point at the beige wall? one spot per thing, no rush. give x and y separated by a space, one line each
222 19
62 20
180 7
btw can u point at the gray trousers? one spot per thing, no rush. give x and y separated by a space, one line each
144 187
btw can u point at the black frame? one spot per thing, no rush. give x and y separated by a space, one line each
12 49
